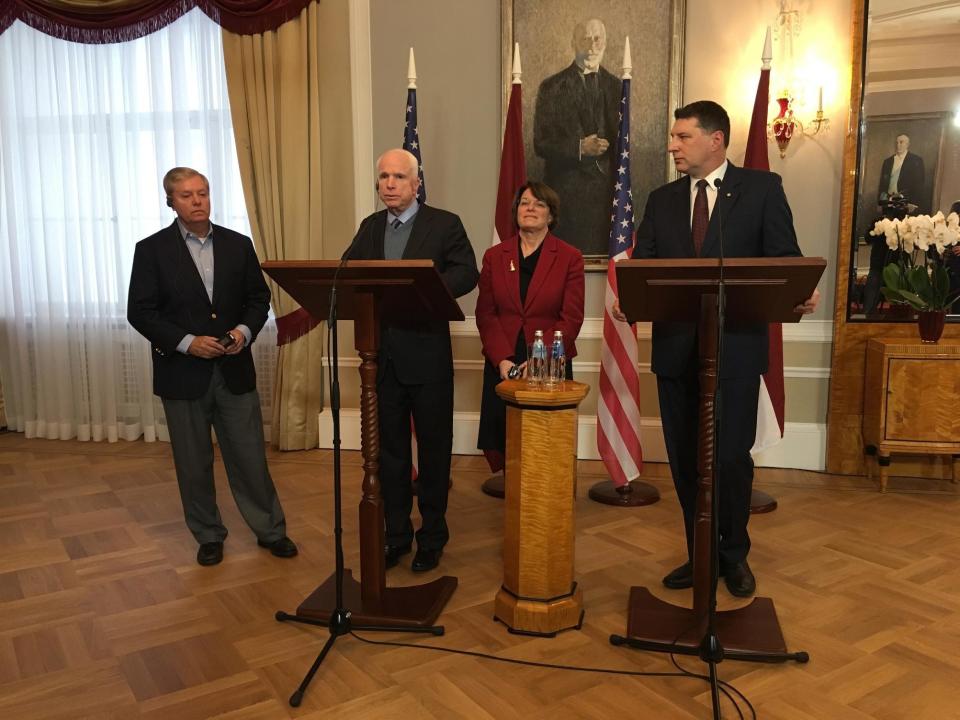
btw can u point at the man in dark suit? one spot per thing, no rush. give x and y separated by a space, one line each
679 222
902 173
415 365
575 118
899 193
198 295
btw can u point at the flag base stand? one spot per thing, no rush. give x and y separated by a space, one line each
633 494
761 502
495 486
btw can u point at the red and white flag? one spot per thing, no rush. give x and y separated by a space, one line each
771 406
618 408
513 174
513 167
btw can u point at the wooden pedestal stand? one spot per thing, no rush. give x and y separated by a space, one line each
539 595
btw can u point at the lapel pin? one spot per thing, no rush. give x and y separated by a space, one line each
512 268
729 194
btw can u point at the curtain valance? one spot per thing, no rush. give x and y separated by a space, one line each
108 21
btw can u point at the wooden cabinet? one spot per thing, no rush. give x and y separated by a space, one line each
911 401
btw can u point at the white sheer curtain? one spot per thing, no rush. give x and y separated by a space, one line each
86 134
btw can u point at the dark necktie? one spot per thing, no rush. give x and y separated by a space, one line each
701 217
397 223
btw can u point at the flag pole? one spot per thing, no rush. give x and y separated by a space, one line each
771 399
513 174
618 412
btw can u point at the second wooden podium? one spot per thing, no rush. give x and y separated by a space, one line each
539 595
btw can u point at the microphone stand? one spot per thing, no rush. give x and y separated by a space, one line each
340 622
711 650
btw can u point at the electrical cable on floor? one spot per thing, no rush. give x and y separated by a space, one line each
725 687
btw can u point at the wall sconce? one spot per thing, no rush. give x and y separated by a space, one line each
786 125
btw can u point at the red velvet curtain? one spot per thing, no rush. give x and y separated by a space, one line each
87 21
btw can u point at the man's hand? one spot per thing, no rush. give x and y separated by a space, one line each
238 342
505 366
205 346
617 314
592 146
810 304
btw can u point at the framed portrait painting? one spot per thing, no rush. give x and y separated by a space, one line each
572 60
904 159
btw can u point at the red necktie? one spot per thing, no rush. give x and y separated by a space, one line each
701 217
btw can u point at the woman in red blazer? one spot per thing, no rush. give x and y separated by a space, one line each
533 281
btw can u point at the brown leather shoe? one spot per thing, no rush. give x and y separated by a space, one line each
740 580
680 578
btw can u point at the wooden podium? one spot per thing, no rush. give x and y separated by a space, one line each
760 290
368 291
539 595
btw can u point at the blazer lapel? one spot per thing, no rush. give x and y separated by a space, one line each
510 267
727 196
377 230
221 252
418 234
186 268
548 256
681 219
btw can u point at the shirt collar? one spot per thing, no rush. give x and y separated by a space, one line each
718 173
187 234
405 216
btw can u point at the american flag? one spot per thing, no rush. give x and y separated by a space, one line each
411 140
618 410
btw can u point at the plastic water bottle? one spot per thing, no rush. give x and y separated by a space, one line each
558 360
538 360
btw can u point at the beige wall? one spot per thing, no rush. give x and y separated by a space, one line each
457 44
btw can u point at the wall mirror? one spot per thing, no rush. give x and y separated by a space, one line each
908 154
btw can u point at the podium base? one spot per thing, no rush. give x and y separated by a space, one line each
633 494
749 633
495 486
416 606
541 618
761 502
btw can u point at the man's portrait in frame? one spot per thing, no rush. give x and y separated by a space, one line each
572 57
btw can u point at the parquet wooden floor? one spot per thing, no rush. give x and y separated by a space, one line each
105 614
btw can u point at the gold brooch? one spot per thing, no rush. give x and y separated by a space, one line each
512 268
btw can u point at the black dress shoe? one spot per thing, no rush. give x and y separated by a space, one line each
210 553
283 548
680 578
740 581
426 559
393 553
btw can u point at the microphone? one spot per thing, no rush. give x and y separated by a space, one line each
717 182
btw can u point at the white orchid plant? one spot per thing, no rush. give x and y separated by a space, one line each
919 276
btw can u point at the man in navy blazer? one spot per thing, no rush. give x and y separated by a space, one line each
415 364
198 295
757 222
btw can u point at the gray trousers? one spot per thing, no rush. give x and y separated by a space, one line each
239 427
